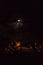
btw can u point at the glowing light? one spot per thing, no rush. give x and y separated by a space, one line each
19 20
18 44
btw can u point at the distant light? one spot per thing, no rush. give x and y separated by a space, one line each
18 44
19 20
17 24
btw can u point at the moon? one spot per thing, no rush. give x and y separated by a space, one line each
18 24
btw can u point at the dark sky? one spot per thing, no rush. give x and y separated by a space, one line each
30 11
14 7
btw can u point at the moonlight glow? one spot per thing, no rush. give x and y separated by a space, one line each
19 20
18 24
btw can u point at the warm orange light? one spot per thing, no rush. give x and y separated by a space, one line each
18 44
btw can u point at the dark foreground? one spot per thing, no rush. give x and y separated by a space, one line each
22 59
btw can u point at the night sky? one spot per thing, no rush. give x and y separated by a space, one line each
32 14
